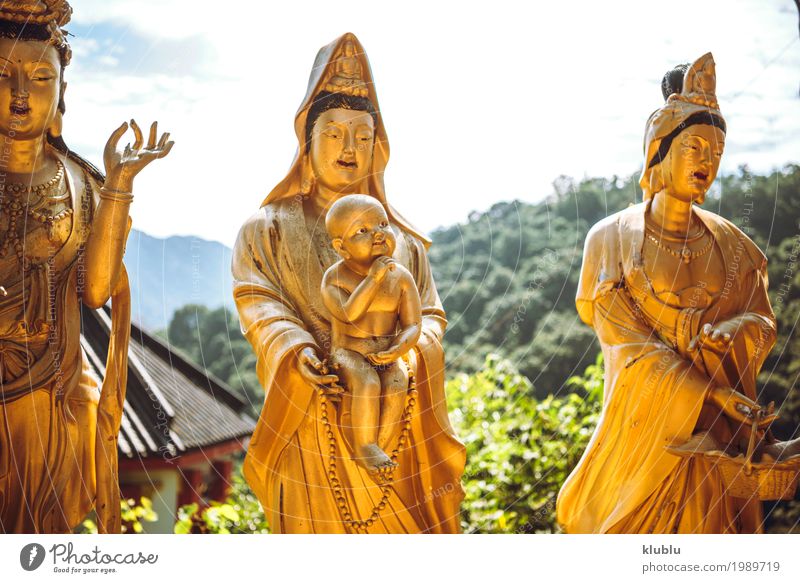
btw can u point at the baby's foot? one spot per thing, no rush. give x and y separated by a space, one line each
376 462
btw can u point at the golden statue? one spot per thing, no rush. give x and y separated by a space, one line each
678 298
301 461
368 295
62 235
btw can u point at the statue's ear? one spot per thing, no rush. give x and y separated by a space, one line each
62 106
337 246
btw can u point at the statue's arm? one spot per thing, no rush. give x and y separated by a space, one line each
105 246
344 306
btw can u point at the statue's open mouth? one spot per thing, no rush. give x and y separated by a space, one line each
345 164
700 176
19 108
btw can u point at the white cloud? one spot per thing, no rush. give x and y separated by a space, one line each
481 103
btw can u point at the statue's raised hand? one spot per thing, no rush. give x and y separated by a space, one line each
123 166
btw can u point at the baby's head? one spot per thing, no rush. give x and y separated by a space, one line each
359 229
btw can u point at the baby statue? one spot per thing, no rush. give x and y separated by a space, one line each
376 319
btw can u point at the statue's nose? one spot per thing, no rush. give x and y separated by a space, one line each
19 86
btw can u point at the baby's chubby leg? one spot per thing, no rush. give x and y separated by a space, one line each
364 385
394 380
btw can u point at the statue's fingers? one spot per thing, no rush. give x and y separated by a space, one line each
166 150
163 141
706 330
151 140
137 131
726 338
113 140
715 335
308 356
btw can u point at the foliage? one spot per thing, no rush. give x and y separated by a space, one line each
519 449
132 514
240 513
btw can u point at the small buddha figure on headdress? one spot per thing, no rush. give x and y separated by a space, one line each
347 75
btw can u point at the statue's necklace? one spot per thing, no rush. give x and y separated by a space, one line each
685 254
39 209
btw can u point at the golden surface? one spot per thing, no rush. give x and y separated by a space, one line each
678 299
280 257
62 236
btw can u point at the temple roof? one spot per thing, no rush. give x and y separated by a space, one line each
171 405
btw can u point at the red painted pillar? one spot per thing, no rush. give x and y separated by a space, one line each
190 486
221 482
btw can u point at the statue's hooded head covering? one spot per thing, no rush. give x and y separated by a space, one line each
340 67
690 94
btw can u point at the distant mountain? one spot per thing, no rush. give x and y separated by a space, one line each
166 274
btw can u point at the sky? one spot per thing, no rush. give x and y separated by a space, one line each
482 101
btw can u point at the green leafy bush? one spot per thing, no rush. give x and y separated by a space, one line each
519 449
239 514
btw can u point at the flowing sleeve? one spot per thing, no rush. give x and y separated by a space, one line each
271 323
268 318
601 270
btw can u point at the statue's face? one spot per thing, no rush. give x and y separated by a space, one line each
367 235
29 87
341 148
694 158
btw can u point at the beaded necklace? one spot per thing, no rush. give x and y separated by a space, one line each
18 200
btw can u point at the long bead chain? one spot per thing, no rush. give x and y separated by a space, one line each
333 477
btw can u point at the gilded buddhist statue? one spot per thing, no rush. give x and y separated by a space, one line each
677 296
354 434
63 227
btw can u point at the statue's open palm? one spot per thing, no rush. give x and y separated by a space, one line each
123 166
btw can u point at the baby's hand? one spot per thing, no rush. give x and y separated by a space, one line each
382 357
380 267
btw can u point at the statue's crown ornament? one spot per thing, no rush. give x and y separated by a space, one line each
347 75
56 12
699 83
